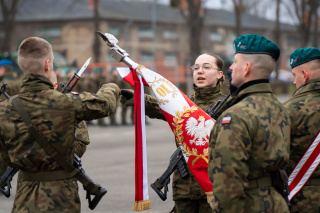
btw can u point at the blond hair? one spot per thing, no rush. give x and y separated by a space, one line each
32 54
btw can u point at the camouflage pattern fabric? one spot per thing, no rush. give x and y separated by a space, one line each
13 87
252 145
187 190
304 110
81 138
55 115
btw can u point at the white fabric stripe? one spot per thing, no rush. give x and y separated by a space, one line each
304 159
144 145
174 104
123 71
305 177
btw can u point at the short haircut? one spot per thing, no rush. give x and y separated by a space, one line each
262 64
32 54
315 64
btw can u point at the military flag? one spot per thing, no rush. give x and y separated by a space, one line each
189 123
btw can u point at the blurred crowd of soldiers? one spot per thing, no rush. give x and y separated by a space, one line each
91 80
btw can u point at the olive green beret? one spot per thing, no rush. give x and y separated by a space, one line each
303 55
256 44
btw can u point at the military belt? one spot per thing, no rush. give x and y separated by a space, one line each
45 176
313 182
260 182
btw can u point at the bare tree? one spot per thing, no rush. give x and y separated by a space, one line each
9 9
194 14
96 45
305 11
277 34
316 17
238 9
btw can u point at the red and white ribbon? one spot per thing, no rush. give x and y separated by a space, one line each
142 201
305 167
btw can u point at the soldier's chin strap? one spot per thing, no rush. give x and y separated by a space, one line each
91 187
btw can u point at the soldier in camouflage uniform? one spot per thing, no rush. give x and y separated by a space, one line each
13 86
208 78
304 110
55 116
251 137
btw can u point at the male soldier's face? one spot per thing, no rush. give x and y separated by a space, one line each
298 76
206 72
237 69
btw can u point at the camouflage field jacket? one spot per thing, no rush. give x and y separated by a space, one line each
304 110
249 140
55 115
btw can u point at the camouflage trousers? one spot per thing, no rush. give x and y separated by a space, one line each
192 206
307 200
47 196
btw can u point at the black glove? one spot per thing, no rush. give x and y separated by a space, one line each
127 97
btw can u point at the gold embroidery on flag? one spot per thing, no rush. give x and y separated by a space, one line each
162 89
177 124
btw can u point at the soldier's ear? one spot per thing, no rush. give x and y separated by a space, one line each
305 74
247 69
46 65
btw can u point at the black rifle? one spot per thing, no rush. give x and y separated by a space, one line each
214 109
5 181
3 90
6 178
176 161
102 191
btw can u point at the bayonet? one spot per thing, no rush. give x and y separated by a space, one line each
74 79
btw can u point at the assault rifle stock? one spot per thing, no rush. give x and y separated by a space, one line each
97 195
5 181
176 161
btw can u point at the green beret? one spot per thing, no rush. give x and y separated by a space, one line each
256 44
303 55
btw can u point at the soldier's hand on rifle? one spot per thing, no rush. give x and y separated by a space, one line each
127 97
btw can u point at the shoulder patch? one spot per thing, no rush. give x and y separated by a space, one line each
226 120
74 93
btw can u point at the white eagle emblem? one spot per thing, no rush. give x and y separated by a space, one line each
200 130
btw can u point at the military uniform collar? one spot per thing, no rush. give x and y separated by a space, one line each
33 82
313 84
256 86
206 93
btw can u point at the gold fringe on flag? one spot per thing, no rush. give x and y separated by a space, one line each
141 205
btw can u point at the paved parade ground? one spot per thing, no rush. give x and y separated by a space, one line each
109 161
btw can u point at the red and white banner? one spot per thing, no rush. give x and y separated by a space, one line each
142 201
189 123
305 168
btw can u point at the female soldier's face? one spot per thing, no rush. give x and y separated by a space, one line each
205 71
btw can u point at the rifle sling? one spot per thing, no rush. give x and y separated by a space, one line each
51 151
